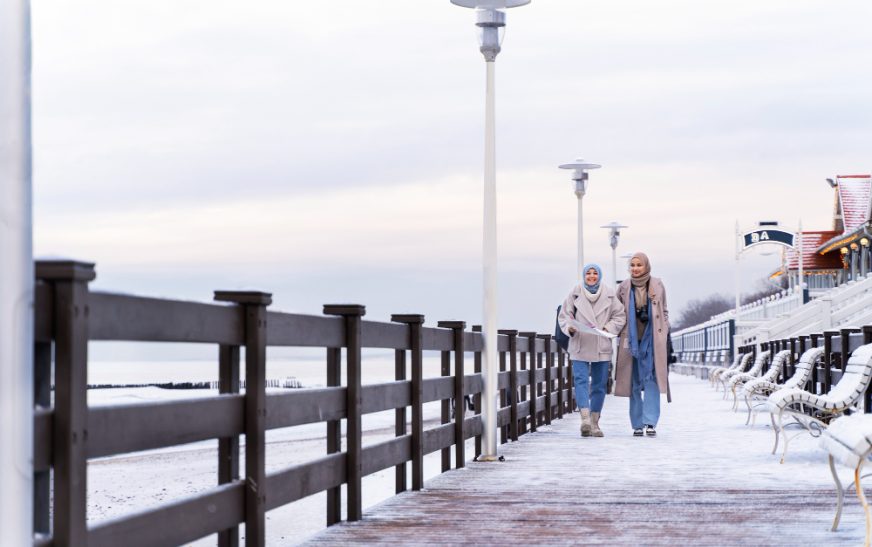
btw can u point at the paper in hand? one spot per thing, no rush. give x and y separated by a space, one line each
581 327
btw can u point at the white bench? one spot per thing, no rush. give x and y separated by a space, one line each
848 441
740 363
717 371
757 391
739 379
727 374
814 412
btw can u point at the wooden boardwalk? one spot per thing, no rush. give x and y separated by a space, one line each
707 479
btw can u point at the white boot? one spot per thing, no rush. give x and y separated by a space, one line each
585 422
595 428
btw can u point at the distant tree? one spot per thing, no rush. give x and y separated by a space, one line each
701 310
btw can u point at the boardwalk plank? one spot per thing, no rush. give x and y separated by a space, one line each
705 480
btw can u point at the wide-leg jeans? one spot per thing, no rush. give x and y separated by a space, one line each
590 378
644 410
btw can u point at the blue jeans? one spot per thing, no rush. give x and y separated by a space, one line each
590 383
644 411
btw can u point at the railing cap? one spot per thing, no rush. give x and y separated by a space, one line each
544 336
509 332
344 309
451 324
244 297
408 318
65 270
527 334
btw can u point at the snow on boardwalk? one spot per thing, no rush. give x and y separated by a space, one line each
706 479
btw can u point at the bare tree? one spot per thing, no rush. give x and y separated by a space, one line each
701 310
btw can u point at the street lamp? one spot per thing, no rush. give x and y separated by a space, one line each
579 176
16 290
614 235
491 20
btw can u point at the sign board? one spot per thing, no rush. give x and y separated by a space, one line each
769 235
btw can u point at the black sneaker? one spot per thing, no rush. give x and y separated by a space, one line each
637 432
650 431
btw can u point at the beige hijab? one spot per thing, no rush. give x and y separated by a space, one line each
640 284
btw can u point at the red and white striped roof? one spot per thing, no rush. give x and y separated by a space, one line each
855 192
811 259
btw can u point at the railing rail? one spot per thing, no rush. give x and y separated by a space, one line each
69 433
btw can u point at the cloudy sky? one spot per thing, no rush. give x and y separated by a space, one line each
332 151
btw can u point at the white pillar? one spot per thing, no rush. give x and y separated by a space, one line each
580 255
16 288
489 324
799 247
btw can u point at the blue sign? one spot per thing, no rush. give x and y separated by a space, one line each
769 235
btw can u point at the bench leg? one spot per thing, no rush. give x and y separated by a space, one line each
840 494
776 430
735 400
862 500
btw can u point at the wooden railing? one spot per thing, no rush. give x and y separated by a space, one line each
534 382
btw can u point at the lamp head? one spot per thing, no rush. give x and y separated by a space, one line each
491 23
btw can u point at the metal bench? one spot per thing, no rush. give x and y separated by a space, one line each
739 379
848 441
740 361
814 412
757 391
727 374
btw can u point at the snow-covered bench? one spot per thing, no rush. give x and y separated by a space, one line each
848 441
727 374
738 380
757 391
717 371
814 412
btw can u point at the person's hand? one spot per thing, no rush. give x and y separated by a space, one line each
571 331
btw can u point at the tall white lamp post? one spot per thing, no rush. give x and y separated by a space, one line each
16 289
491 20
614 229
579 176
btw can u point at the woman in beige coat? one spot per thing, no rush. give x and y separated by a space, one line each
642 356
591 305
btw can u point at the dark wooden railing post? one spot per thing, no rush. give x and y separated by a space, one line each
549 361
400 419
817 371
513 382
70 439
476 367
253 305
445 406
228 447
334 435
531 352
352 314
415 323
523 371
867 400
459 395
561 382
827 379
846 346
42 399
503 395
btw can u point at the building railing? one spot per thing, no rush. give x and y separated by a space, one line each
710 342
534 387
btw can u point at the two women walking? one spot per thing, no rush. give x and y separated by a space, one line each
637 311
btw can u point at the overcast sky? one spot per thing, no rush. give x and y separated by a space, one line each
333 151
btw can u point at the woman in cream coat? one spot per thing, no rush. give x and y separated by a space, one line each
642 361
593 305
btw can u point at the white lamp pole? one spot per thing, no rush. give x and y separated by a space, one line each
16 289
579 176
614 229
491 19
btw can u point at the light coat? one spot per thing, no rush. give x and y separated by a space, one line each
660 325
607 314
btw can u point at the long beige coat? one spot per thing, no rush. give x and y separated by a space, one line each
607 313
660 324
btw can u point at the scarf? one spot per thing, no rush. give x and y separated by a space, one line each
640 284
593 289
642 347
592 296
